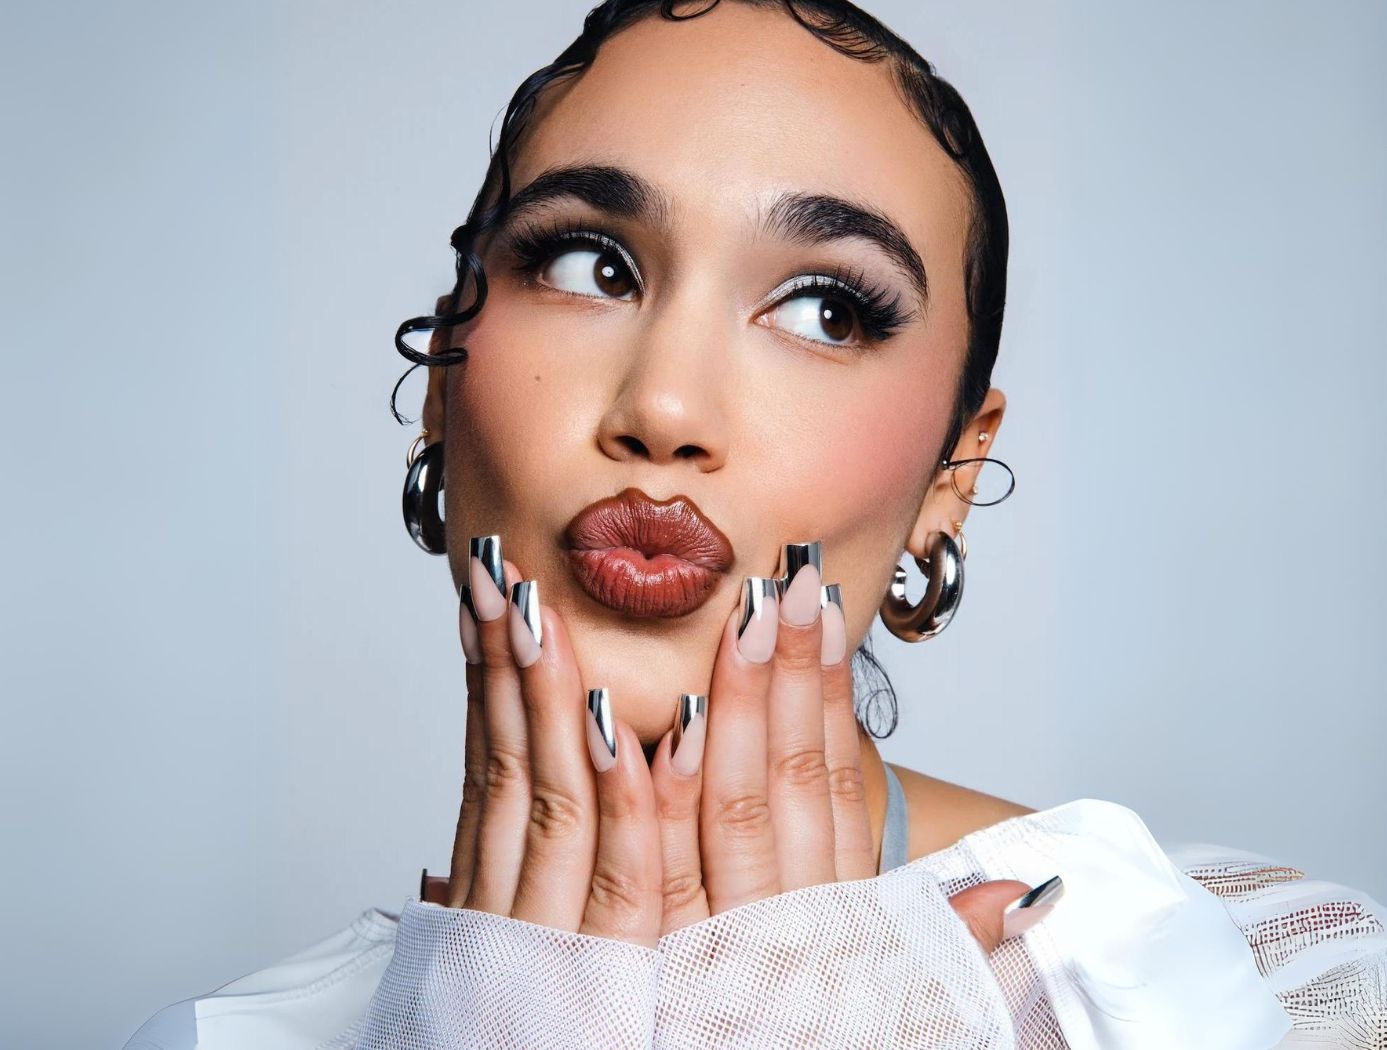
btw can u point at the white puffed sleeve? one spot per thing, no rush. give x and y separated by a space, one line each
1320 946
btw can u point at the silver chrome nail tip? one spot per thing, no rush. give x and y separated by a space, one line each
600 706
1047 892
465 596
689 707
487 549
796 557
830 592
525 597
755 591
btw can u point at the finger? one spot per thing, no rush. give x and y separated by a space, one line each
737 848
459 881
506 802
801 809
993 913
562 836
678 786
854 851
625 901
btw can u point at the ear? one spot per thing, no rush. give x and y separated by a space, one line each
435 398
941 506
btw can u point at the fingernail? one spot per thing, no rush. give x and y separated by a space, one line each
757 627
484 564
690 730
799 587
525 628
834 643
467 626
1032 906
601 730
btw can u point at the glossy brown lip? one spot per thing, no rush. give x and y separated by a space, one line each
647 557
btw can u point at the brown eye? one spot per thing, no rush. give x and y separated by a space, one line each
816 317
599 272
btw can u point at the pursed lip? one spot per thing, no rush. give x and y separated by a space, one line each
647 557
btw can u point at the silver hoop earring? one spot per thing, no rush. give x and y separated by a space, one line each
943 569
423 483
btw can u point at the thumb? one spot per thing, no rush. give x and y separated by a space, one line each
985 909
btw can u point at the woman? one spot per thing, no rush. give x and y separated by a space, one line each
736 274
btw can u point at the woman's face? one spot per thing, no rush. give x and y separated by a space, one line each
683 357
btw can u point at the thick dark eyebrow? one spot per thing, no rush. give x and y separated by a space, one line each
807 218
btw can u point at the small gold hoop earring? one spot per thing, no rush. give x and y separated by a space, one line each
412 453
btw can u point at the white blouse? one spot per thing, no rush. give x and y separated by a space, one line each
1189 946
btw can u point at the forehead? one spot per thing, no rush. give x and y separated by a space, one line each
727 109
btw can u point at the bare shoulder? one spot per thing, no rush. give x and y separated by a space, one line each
941 813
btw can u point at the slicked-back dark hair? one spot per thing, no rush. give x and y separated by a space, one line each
852 32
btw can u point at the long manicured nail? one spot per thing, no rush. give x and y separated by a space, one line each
834 643
690 731
487 576
799 587
760 618
525 631
601 730
467 626
1028 909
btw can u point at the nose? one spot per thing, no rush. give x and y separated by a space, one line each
669 400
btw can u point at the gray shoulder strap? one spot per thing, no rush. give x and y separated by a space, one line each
893 835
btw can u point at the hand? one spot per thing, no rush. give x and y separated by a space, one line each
778 802
542 836
538 840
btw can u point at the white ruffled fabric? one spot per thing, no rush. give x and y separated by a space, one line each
1201 947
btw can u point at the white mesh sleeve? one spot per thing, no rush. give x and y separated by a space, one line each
463 979
880 962
1321 947
1137 955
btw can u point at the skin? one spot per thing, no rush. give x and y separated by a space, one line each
699 386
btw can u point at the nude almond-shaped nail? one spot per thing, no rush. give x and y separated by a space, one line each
690 731
487 576
834 642
799 602
525 629
601 730
760 619
467 627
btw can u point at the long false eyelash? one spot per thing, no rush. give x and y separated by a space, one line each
534 243
878 309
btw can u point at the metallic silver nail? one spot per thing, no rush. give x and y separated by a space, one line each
600 719
796 557
830 592
1047 892
755 591
689 707
525 597
465 596
487 549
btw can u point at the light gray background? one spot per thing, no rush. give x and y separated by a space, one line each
233 692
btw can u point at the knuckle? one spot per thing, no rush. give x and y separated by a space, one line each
804 768
676 809
680 891
506 771
555 815
474 781
743 816
799 652
847 783
615 891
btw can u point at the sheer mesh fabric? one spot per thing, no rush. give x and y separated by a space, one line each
886 962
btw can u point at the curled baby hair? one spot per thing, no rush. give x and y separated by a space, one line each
851 31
